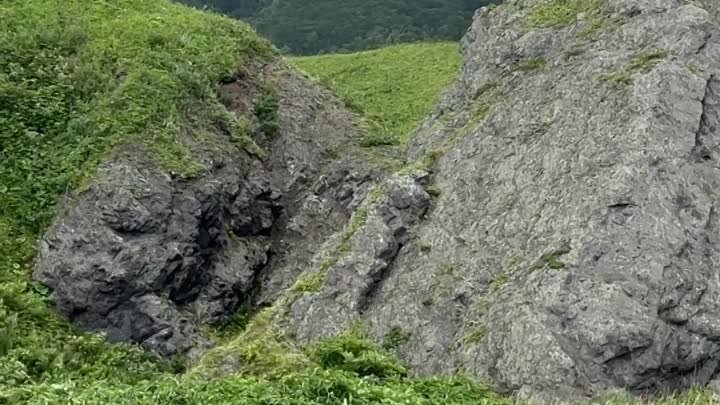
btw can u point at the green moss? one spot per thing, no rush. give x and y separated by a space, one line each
260 350
395 338
596 24
234 325
560 13
499 281
575 51
352 351
694 69
379 137
314 282
693 396
552 259
331 152
426 163
476 335
433 191
346 368
529 65
621 77
241 134
96 76
643 63
646 61
425 247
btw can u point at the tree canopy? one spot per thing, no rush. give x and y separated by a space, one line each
308 27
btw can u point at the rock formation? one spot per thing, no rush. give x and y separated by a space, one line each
556 235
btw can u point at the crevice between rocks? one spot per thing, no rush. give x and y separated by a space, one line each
707 138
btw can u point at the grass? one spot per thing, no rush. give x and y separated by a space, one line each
395 338
643 63
552 259
78 79
560 13
476 335
266 111
394 87
530 65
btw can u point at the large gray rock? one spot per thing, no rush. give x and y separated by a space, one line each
573 246
149 258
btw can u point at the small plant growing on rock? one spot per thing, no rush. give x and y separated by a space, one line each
266 111
529 65
395 338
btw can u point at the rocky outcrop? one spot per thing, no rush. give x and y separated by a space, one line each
571 247
556 235
146 257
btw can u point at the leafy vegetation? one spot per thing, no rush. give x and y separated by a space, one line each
310 27
393 87
266 111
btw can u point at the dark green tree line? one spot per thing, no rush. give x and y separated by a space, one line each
322 26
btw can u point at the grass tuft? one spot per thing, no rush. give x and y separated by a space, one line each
530 65
560 13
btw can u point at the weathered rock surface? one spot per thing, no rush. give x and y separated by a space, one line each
149 258
571 245
574 244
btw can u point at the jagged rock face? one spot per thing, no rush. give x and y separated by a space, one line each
570 247
352 281
148 258
574 245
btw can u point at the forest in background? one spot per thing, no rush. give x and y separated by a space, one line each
311 27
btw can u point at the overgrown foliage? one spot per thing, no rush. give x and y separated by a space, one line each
310 27
393 87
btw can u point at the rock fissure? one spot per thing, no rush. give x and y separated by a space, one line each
707 139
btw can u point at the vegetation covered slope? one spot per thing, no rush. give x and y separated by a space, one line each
321 26
77 79
394 87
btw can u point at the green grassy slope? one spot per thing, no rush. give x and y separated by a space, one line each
78 78
394 87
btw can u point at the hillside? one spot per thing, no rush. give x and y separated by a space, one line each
393 87
188 218
328 26
103 101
